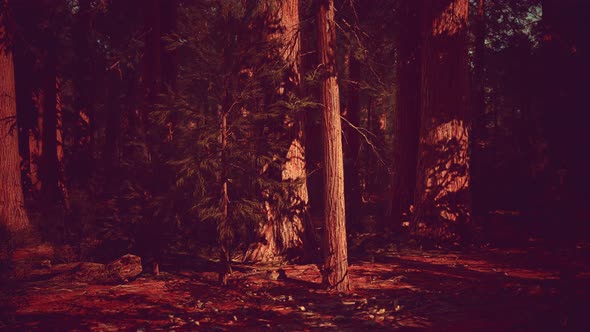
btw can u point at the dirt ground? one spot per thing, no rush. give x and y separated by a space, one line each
529 289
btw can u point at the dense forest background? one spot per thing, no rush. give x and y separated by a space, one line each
212 127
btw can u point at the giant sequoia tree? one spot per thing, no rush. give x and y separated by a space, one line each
283 232
442 204
335 269
12 212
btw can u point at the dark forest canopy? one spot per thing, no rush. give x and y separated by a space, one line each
243 130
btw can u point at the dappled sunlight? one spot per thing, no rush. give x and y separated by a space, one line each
451 20
445 194
429 290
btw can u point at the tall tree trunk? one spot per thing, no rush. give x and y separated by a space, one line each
23 71
442 202
564 52
152 70
35 140
84 81
335 269
406 117
223 228
49 165
13 218
279 237
60 148
160 19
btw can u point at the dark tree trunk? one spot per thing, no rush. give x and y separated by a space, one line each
13 218
84 82
442 198
564 51
479 107
49 168
406 116
335 269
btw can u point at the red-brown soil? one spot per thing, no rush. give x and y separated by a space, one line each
489 290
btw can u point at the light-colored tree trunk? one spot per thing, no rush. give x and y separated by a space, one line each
335 269
442 198
13 217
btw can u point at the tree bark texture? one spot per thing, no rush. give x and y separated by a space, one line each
279 236
13 217
442 198
335 269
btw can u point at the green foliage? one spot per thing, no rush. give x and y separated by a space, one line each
229 67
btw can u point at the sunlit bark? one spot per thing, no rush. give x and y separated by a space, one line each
13 218
442 202
279 235
335 268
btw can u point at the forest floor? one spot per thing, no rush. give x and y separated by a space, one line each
531 289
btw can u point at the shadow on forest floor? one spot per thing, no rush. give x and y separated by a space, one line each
491 290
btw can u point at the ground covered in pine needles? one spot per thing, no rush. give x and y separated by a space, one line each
531 289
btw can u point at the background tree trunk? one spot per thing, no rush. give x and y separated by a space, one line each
442 203
406 115
49 163
335 269
478 104
13 218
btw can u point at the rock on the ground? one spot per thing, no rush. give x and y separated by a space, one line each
124 268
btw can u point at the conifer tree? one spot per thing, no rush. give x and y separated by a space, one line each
335 268
442 198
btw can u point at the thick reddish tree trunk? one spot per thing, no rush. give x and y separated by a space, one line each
442 198
406 116
13 218
335 269
281 236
